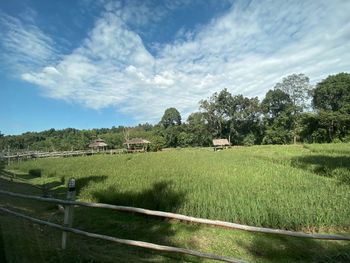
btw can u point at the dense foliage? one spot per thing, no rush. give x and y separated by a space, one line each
290 112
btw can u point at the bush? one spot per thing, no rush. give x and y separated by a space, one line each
249 140
336 140
346 138
157 143
277 136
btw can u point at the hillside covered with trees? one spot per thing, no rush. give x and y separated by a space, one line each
293 111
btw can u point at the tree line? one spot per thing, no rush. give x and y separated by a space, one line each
293 111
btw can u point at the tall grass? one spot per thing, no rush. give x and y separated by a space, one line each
271 186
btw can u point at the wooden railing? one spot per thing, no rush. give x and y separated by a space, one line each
69 204
68 221
35 154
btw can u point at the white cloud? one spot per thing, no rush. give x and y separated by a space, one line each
25 45
247 50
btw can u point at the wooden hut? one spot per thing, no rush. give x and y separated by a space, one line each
221 144
98 145
136 145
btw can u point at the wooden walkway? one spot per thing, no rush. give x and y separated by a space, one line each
34 155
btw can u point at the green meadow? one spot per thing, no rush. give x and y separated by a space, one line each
290 187
294 187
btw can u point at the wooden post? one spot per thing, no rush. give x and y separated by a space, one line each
68 211
8 154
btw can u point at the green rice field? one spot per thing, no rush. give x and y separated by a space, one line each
296 187
292 187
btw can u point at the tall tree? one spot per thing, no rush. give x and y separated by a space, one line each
331 99
298 87
233 117
245 120
333 93
275 102
171 117
217 111
277 108
197 128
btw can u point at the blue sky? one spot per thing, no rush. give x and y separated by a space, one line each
86 64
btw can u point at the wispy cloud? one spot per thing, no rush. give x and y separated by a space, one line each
24 45
247 50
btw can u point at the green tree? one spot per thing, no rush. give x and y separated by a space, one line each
172 134
197 127
185 139
217 111
333 93
278 131
245 120
298 87
232 117
275 102
325 126
331 99
171 117
277 108
157 142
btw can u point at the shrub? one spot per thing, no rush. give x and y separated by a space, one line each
249 140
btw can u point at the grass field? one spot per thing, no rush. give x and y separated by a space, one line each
292 187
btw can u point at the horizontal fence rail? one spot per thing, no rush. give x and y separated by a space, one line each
30 155
183 218
125 241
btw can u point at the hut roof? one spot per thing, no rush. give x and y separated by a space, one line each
221 142
137 141
98 143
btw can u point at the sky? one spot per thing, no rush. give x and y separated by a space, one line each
98 63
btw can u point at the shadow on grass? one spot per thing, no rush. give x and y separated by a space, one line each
275 248
135 226
2 247
159 197
103 221
59 189
55 187
337 167
278 248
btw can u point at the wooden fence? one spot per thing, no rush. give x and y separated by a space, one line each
33 155
67 228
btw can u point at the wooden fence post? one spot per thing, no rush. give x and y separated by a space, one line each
8 154
68 211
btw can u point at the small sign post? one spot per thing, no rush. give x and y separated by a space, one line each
68 211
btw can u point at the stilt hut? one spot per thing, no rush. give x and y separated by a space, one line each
136 145
220 144
98 145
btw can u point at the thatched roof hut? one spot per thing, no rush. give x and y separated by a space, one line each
136 141
221 144
136 145
98 144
